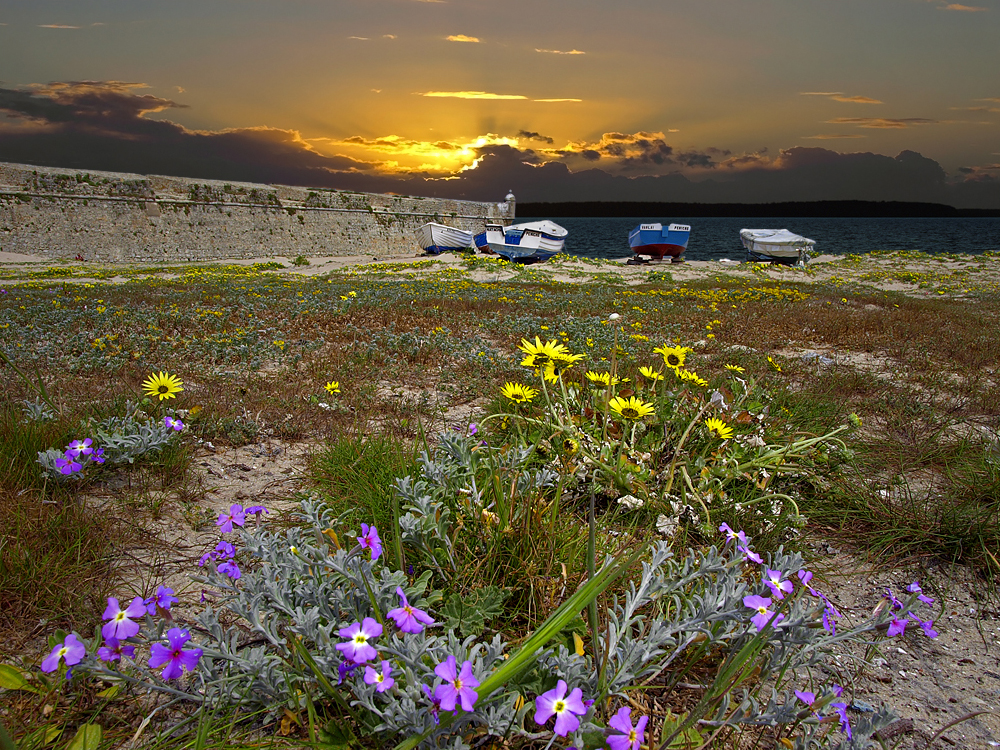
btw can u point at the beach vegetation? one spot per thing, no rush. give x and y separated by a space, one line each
533 512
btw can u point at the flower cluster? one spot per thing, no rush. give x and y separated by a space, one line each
119 632
77 454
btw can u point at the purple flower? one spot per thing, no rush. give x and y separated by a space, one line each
97 456
71 650
381 680
733 536
896 604
345 669
80 448
175 657
928 627
841 710
369 540
67 465
626 737
473 428
565 709
235 515
409 618
255 510
750 554
806 697
458 686
764 615
223 550
914 588
163 598
435 703
120 624
171 422
230 568
357 648
896 627
113 650
829 620
778 586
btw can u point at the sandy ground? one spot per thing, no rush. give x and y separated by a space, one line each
929 683
923 276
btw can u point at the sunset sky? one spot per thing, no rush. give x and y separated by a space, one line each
702 100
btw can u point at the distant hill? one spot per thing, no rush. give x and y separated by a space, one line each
845 209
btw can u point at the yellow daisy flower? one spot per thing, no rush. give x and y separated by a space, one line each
735 368
163 385
332 387
598 378
718 428
673 356
570 447
548 350
775 365
518 393
650 374
631 407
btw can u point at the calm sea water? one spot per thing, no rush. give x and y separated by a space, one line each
715 238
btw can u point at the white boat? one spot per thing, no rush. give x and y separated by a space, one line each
776 246
437 238
530 242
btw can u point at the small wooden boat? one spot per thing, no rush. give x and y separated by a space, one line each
656 241
775 246
530 242
437 238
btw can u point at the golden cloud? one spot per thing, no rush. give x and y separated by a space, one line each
463 38
882 122
560 52
470 95
409 155
557 100
832 136
839 96
56 26
964 8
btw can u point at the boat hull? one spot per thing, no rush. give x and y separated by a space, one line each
523 243
437 238
658 241
775 246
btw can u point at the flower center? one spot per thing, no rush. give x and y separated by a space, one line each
458 683
63 651
631 735
360 638
762 610
673 360
629 412
379 677
560 707
119 617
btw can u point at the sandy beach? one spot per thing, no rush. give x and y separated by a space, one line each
914 274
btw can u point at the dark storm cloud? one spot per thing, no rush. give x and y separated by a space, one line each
533 136
102 125
105 126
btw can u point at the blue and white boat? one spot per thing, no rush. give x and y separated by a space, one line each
530 242
437 238
656 241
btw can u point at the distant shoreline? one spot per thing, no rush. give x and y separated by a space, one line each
794 209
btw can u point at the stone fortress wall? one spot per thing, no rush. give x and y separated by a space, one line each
114 217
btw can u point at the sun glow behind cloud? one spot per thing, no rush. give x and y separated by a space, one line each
396 154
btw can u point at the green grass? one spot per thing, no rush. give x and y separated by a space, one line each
356 475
